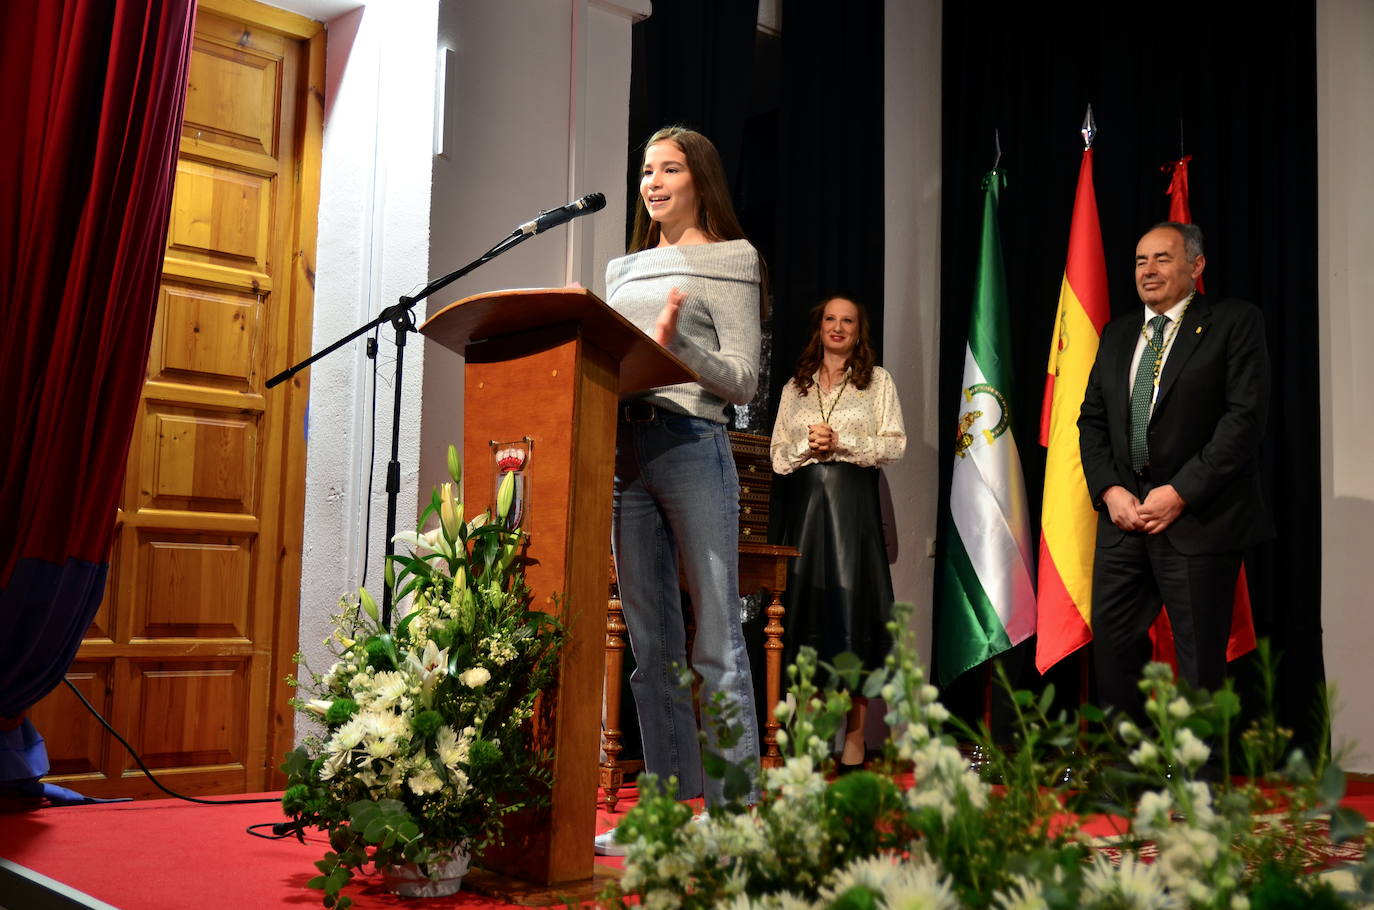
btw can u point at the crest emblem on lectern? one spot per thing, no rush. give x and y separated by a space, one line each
513 458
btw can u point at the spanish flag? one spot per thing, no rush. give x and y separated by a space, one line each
1068 522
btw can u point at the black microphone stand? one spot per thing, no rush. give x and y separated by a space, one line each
403 321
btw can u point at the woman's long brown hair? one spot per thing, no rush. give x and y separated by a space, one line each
860 362
715 212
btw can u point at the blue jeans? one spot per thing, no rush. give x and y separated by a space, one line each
677 498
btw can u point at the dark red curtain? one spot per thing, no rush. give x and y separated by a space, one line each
91 92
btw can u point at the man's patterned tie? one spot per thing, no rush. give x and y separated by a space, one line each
1142 393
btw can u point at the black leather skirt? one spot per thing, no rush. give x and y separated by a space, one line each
839 591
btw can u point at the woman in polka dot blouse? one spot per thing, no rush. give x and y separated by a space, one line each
838 420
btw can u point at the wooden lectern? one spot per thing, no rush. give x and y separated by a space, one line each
547 368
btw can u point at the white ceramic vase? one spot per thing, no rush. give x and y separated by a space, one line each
430 880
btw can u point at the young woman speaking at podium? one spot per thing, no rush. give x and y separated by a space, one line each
693 283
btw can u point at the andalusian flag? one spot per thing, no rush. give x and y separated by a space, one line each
1068 521
987 601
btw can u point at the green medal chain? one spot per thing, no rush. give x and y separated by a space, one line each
820 400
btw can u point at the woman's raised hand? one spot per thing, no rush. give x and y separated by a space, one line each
666 327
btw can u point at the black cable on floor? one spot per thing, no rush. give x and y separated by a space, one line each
149 774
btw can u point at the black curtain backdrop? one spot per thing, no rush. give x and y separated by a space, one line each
1242 91
829 170
692 63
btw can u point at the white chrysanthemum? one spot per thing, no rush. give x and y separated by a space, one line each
475 677
452 749
387 688
381 748
1128 731
385 724
1023 894
1133 885
333 765
349 735
920 885
783 901
424 781
1191 751
872 872
1179 708
744 902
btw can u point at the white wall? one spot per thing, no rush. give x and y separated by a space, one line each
373 247
1345 230
538 102
911 287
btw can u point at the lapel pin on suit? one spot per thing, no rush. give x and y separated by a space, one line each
1197 331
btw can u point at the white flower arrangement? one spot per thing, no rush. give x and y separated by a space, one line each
947 838
425 744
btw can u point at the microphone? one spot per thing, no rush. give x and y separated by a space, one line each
592 202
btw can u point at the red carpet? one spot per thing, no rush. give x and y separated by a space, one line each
170 855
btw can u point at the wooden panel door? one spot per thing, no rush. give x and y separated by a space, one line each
189 650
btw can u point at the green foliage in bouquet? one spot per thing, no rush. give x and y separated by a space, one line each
426 740
1006 833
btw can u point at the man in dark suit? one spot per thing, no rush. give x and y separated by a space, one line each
1169 433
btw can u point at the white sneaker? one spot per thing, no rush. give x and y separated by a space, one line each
607 845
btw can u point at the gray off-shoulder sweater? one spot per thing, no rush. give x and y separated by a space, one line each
718 328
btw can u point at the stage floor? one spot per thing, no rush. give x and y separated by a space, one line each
170 855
